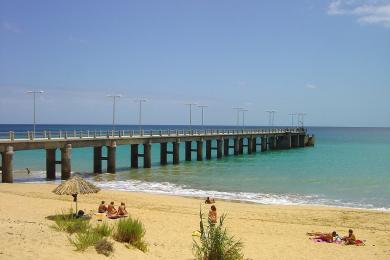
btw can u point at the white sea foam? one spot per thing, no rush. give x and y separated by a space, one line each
261 198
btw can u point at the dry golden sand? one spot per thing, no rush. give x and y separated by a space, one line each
268 232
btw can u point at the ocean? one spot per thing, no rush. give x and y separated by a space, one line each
347 167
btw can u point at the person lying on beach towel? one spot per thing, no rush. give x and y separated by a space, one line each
350 239
325 237
209 201
122 212
111 211
102 207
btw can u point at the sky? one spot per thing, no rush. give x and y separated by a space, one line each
329 59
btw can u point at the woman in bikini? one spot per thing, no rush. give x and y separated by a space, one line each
122 210
111 211
213 215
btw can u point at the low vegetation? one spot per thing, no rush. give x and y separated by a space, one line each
103 246
131 231
215 242
86 239
84 235
103 229
69 223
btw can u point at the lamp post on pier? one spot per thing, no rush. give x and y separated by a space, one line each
202 107
301 117
114 97
140 101
271 117
243 116
238 109
292 118
34 93
190 106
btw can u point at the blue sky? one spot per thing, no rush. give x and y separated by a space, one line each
329 59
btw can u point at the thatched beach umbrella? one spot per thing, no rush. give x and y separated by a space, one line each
74 186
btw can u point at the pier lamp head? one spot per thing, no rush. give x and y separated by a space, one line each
115 96
36 91
192 104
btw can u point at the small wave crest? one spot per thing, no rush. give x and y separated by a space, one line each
260 198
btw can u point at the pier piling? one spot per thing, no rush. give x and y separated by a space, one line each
111 158
219 148
7 167
208 149
50 164
199 150
226 146
236 146
97 159
134 156
250 145
188 150
263 144
241 146
254 145
176 152
147 155
65 162
163 153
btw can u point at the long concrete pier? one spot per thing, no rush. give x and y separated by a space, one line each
227 142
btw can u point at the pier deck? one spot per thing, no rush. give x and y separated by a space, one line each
270 139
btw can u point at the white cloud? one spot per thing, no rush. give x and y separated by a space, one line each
6 26
367 11
311 86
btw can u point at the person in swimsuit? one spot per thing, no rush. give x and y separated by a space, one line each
213 215
209 201
102 207
326 237
122 210
111 211
350 239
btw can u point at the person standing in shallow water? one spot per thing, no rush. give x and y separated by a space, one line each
213 215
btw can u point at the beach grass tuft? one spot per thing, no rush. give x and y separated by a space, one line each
131 231
215 242
86 239
103 229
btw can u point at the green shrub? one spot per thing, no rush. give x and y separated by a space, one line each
103 229
215 243
86 239
69 223
131 231
105 247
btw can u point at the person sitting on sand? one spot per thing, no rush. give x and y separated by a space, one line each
326 237
209 201
350 239
102 207
111 211
122 210
213 214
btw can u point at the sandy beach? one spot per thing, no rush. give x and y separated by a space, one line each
267 231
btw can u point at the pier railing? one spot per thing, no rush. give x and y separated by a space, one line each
93 134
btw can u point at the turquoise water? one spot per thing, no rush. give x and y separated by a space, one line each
347 167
